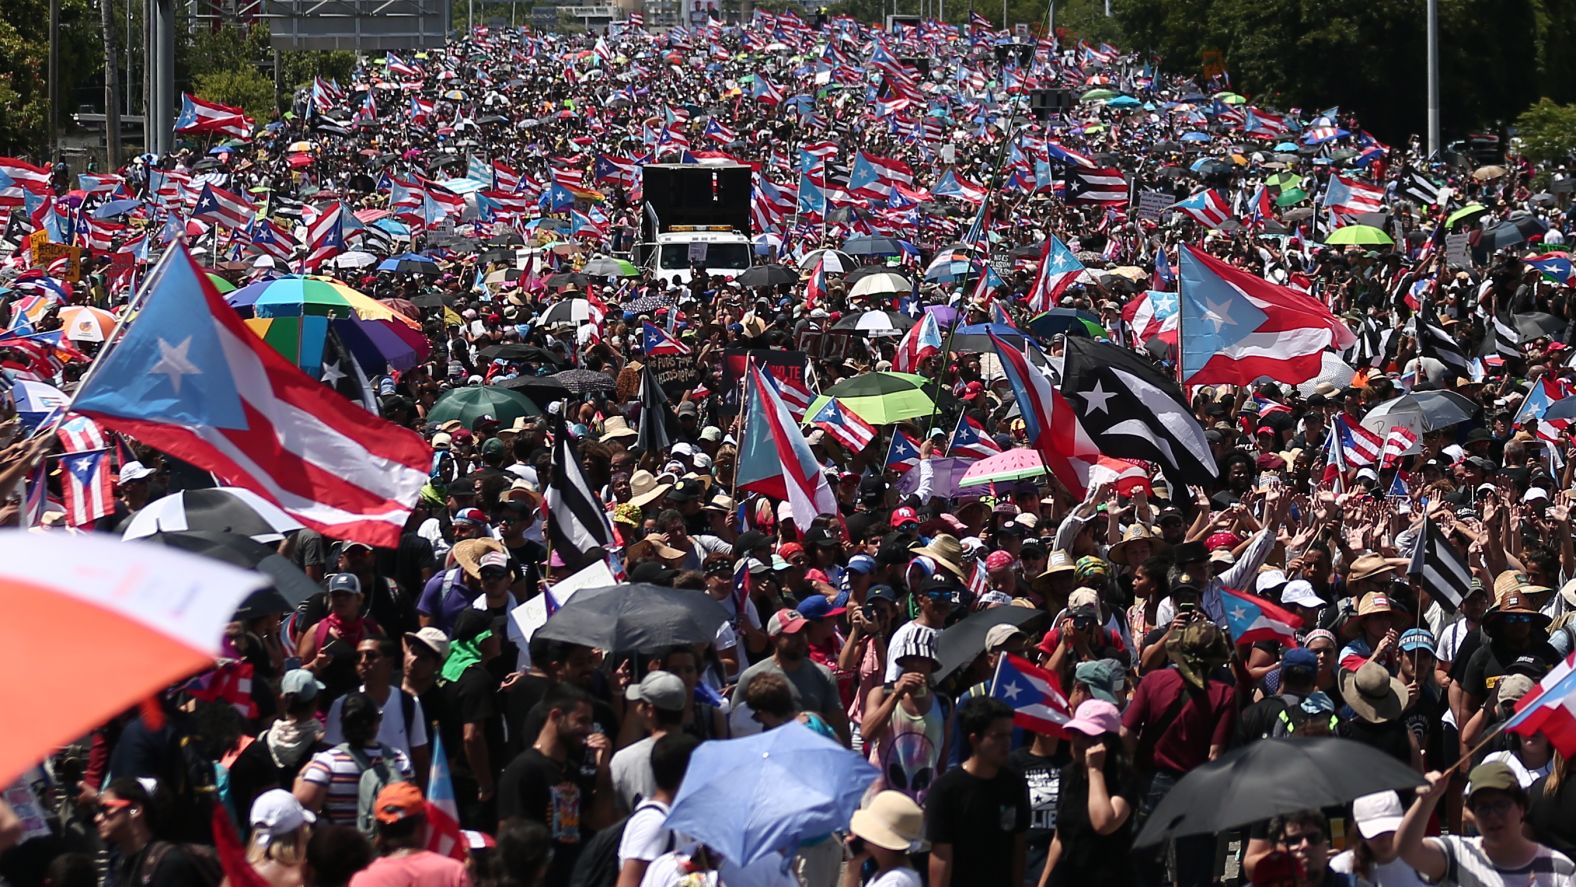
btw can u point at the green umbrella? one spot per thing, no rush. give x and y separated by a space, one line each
220 284
880 398
474 401
1359 235
1230 98
1284 181
1096 95
1467 213
1291 197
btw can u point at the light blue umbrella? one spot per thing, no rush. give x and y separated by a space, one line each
748 798
116 208
1195 137
1123 101
1286 146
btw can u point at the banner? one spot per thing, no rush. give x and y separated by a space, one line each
1152 204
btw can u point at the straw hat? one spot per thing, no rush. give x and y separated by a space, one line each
616 427
644 488
467 554
1514 602
1369 566
647 546
946 551
1137 533
1373 694
1374 602
1515 580
522 491
892 821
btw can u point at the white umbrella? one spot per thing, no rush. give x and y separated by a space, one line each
836 261
571 311
1333 370
1420 412
354 259
883 283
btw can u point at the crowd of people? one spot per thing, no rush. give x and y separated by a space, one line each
885 621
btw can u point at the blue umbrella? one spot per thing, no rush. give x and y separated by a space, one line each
403 262
1123 101
1286 146
116 208
1195 137
747 798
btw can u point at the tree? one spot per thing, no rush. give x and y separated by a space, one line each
244 87
1547 132
24 62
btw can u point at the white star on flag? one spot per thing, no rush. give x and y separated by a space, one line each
173 362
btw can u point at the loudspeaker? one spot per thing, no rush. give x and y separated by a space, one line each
1045 102
696 194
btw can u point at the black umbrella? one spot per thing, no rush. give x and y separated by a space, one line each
1533 324
767 275
290 585
410 266
542 390
517 351
872 246
569 278
430 299
637 616
584 381
218 509
958 645
1512 231
1268 778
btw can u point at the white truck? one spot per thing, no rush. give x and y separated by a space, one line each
695 214
725 253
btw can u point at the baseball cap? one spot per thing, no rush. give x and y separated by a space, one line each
662 689
786 621
433 639
816 607
904 515
862 563
881 593
1095 717
399 801
471 516
493 559
1512 687
344 582
1377 814
493 446
1103 677
301 683
1000 636
1300 593
276 813
1300 659
1493 775
133 470
1417 639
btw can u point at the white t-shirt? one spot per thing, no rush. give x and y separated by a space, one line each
645 837
899 877
1469 866
1395 873
392 732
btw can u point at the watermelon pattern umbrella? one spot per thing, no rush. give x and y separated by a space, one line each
294 314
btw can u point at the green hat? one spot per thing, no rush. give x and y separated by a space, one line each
1492 775
1103 677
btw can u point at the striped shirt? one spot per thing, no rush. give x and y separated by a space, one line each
338 769
1469 866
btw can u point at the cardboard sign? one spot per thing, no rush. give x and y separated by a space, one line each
1152 204
1458 251
697 251
46 253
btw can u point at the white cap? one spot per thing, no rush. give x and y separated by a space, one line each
1300 593
276 813
133 470
682 449
1268 580
1533 494
1377 814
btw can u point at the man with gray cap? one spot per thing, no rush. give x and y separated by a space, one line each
658 701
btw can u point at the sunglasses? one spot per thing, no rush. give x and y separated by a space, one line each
1311 838
1516 618
494 575
110 807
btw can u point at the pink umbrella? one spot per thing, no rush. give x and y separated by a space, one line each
1013 464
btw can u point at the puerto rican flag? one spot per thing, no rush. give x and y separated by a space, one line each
1059 267
1349 197
325 237
920 342
397 65
1050 422
970 441
221 207
99 183
1250 620
443 811
903 454
1359 446
655 341
1206 207
846 428
200 116
270 239
1034 693
18 177
1399 442
953 185
88 485
719 132
1550 709
1151 314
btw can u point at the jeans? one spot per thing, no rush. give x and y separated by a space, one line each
1192 858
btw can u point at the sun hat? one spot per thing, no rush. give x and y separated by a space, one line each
277 813
1373 694
1377 814
946 551
1514 602
467 554
891 821
1369 566
1515 580
1095 717
616 427
644 488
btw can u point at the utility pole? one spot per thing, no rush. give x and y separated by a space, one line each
1434 147
54 80
111 98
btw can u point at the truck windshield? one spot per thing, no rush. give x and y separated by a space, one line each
719 256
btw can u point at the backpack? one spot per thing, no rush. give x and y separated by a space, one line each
598 862
374 776
202 857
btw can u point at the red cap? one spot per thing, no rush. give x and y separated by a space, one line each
904 515
788 550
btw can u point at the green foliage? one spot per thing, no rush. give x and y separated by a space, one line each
245 87
24 68
1547 132
298 68
228 49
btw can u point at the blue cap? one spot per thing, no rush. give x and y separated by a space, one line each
862 563
816 607
1300 658
1417 639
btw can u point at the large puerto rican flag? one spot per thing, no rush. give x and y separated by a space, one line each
443 811
774 458
1034 693
191 380
201 116
1050 422
1551 709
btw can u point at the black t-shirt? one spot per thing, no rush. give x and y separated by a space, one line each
1552 817
1043 774
1390 738
1089 857
979 818
164 864
1425 719
472 699
517 702
1258 720
537 788
1492 659
407 562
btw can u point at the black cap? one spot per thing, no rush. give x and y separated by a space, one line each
748 541
687 490
880 593
652 571
470 623
820 536
871 486
1188 552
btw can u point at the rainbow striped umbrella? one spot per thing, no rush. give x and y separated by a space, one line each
293 314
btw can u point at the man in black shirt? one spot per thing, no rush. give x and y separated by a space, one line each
1299 674
468 718
562 780
976 815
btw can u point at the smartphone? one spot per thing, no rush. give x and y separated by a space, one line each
856 845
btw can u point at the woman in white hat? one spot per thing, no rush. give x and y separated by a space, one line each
884 832
1375 861
280 828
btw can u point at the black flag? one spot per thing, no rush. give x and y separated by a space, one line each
344 375
654 414
1133 410
577 524
1444 574
1433 341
